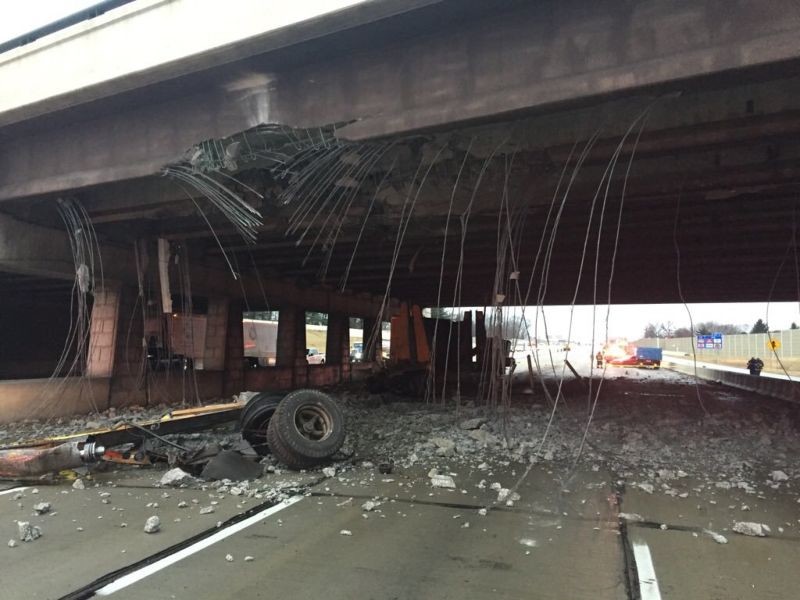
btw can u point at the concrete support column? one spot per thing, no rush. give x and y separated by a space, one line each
337 348
216 335
103 331
233 381
372 352
292 343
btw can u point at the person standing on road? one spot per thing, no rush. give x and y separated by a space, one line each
755 365
599 358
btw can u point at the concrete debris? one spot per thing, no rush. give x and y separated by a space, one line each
646 487
370 505
631 517
249 558
183 504
42 508
176 477
719 538
206 510
152 525
444 446
443 481
472 423
27 532
530 543
78 484
345 532
779 476
12 544
329 471
751 529
229 557
482 512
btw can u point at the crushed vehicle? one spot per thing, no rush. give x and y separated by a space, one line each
642 357
302 429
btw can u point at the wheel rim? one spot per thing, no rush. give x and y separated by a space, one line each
313 423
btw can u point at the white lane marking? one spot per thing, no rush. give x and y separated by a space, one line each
12 490
648 584
165 562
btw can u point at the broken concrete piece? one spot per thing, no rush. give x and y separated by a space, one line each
229 557
176 476
12 544
529 542
249 559
751 529
345 532
472 423
42 508
27 532
483 437
443 481
779 476
206 510
370 505
183 504
720 539
329 471
152 525
78 484
646 487
444 447
631 517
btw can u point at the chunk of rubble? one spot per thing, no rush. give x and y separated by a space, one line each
152 525
719 538
345 532
27 532
78 484
751 529
472 423
779 476
370 505
176 476
443 481
631 517
42 508
229 557
206 510
12 544
329 471
444 446
646 487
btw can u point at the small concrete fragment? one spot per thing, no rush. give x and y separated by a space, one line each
12 544
751 529
329 471
779 476
370 505
249 558
176 476
443 481
345 532
27 532
719 538
78 485
42 508
631 517
470 424
152 525
229 557
206 510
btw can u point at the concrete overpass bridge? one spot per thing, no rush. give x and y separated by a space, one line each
431 151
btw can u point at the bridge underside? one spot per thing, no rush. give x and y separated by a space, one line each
684 189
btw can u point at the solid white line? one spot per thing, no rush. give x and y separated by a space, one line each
148 570
12 490
648 584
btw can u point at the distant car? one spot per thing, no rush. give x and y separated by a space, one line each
315 357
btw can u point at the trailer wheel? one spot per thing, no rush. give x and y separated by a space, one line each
306 429
255 418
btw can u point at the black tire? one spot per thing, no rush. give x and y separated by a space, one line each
255 417
306 429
